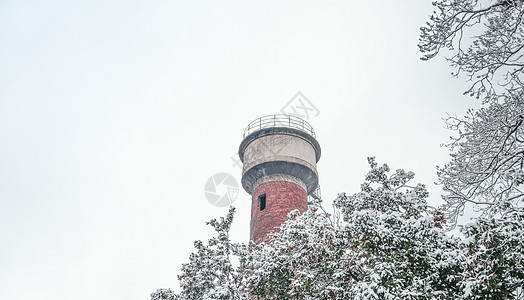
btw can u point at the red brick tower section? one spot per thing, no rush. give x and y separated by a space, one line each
282 196
279 153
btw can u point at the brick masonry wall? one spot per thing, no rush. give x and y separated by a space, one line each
281 198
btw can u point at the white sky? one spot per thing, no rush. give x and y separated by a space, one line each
114 114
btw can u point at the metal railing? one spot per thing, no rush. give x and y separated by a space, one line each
287 121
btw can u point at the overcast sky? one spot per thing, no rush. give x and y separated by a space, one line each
113 115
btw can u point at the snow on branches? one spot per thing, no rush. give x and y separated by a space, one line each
487 159
486 39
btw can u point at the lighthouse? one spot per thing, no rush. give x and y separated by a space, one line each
279 155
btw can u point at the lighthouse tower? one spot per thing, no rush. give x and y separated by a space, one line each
280 154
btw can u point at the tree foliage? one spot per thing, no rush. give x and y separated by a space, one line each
211 273
495 261
302 261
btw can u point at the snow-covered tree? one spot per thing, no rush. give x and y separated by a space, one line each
381 243
399 248
486 39
217 270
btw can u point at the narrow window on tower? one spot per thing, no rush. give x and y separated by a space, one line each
262 201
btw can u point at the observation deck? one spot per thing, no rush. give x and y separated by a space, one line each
279 120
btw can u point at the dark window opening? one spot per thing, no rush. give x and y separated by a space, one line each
262 200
